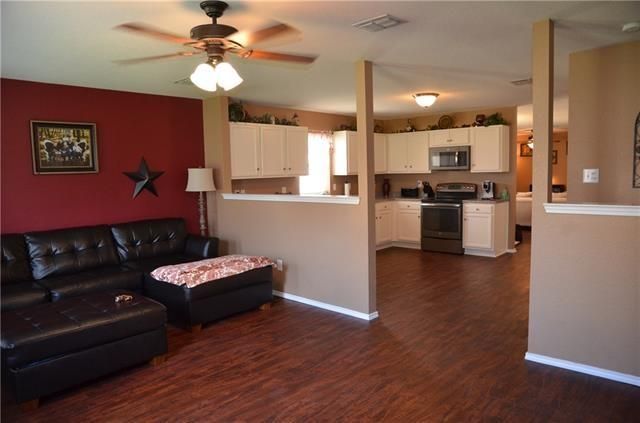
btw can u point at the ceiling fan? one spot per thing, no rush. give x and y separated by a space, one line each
213 39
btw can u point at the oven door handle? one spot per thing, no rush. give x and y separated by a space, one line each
454 205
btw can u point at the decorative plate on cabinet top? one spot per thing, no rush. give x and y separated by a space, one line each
445 122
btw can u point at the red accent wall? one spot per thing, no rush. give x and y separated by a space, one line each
167 131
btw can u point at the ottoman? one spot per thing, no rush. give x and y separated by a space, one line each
213 300
54 346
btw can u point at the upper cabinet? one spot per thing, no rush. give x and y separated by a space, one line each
380 152
345 152
449 137
268 151
245 150
490 149
408 152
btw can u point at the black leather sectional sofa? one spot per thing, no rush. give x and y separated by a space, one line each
61 325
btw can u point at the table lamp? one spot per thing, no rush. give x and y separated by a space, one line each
201 180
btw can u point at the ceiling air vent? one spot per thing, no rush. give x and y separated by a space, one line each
378 23
519 82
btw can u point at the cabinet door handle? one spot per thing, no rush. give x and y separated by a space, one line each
289 168
258 168
284 168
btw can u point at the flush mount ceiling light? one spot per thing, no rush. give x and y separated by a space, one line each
215 72
425 99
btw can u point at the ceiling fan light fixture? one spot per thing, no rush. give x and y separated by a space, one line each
228 78
205 77
425 99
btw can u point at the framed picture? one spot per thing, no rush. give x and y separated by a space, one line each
525 150
554 157
63 147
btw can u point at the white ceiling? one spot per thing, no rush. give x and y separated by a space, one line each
466 51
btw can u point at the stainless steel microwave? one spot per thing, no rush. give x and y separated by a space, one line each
449 158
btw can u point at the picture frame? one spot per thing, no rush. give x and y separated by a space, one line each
554 157
525 150
63 147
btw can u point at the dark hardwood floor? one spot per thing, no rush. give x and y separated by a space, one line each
449 346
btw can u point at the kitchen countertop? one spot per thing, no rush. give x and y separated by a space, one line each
478 200
382 199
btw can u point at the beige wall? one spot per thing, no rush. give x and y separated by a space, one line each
323 247
524 165
585 270
585 290
507 179
604 100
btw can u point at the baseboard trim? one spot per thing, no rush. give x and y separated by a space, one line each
511 250
583 368
325 306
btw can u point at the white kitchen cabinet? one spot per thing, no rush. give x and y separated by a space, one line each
345 153
268 151
490 149
449 137
407 221
485 228
418 152
297 151
408 152
384 223
245 151
272 147
380 153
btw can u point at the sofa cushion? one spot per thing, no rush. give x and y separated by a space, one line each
149 238
74 324
68 251
15 262
150 264
20 295
90 281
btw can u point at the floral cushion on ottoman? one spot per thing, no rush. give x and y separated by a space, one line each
198 272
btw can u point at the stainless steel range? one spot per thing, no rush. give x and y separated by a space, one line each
441 220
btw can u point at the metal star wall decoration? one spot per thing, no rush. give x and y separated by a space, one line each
144 179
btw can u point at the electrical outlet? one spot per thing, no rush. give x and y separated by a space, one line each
279 264
590 176
335 187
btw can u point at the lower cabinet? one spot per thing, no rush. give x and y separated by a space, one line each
384 223
398 223
407 221
485 228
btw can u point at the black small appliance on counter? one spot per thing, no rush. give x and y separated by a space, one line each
409 192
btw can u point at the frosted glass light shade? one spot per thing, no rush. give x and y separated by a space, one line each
228 78
200 180
204 77
425 99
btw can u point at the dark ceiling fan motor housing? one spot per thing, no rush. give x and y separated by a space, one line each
214 10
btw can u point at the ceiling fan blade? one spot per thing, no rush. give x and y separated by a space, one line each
251 38
159 34
159 57
282 57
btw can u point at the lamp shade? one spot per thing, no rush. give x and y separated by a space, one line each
200 180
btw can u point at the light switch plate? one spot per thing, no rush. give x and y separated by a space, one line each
279 264
590 176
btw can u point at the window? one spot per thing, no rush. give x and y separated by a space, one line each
318 180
